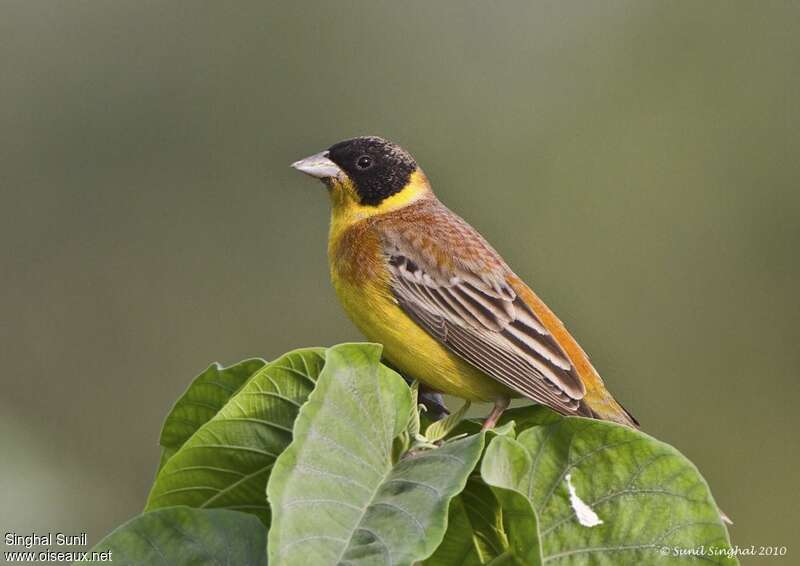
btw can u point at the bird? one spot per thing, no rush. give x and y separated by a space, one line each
415 277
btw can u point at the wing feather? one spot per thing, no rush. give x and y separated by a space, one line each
480 318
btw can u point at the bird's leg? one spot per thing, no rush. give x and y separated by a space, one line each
500 405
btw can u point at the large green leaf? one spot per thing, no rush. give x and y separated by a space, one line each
338 496
606 494
181 536
206 395
226 463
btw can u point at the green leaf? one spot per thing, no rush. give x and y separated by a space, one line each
438 430
642 496
486 518
503 466
528 416
207 394
458 545
506 429
337 494
183 536
226 463
475 533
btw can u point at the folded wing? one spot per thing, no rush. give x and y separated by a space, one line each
470 308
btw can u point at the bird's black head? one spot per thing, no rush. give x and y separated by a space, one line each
377 167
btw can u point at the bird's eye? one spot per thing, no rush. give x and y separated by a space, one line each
364 162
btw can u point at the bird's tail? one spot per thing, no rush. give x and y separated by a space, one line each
597 402
601 405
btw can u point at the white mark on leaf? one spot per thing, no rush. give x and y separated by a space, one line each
586 515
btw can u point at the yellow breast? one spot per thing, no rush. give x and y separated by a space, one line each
361 281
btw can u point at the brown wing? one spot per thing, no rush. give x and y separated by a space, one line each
454 285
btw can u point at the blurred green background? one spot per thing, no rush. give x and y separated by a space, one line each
636 162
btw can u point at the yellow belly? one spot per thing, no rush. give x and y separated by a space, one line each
409 348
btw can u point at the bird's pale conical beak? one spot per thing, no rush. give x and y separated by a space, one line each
318 165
